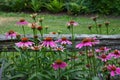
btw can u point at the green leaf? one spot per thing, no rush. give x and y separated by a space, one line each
71 71
17 76
95 78
39 76
16 48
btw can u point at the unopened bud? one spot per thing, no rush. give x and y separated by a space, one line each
89 27
107 23
99 25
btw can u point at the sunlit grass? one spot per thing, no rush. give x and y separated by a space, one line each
57 22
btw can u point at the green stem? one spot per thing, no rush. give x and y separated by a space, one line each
21 57
100 31
59 74
73 54
94 62
60 56
88 62
72 33
36 57
12 43
96 27
86 55
41 34
91 31
23 30
107 30
41 23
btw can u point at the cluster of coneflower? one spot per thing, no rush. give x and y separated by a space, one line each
41 43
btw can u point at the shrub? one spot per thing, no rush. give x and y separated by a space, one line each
36 5
75 7
55 6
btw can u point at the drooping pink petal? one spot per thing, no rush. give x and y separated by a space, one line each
63 65
112 73
22 23
118 71
55 67
63 41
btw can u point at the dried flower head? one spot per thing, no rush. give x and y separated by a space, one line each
90 54
34 15
40 19
107 23
36 48
88 65
18 36
35 36
90 27
46 27
94 18
99 25
39 28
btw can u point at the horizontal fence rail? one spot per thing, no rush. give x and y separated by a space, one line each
111 41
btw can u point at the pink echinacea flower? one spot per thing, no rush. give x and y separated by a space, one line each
85 42
94 41
113 70
22 22
11 34
72 23
59 64
63 41
49 43
24 43
104 57
115 54
102 49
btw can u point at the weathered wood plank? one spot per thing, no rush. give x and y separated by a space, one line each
111 41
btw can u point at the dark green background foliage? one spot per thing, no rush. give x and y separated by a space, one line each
56 6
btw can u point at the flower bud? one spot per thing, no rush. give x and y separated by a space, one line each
40 19
35 36
104 69
34 15
90 27
88 65
39 28
107 23
94 18
99 25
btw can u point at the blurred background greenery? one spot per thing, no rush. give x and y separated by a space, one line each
74 7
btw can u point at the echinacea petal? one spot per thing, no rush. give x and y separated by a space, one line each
55 66
112 73
118 70
79 46
63 65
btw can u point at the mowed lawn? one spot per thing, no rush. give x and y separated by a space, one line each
57 22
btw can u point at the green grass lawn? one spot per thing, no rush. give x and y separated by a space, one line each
57 22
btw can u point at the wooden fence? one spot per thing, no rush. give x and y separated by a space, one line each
111 41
